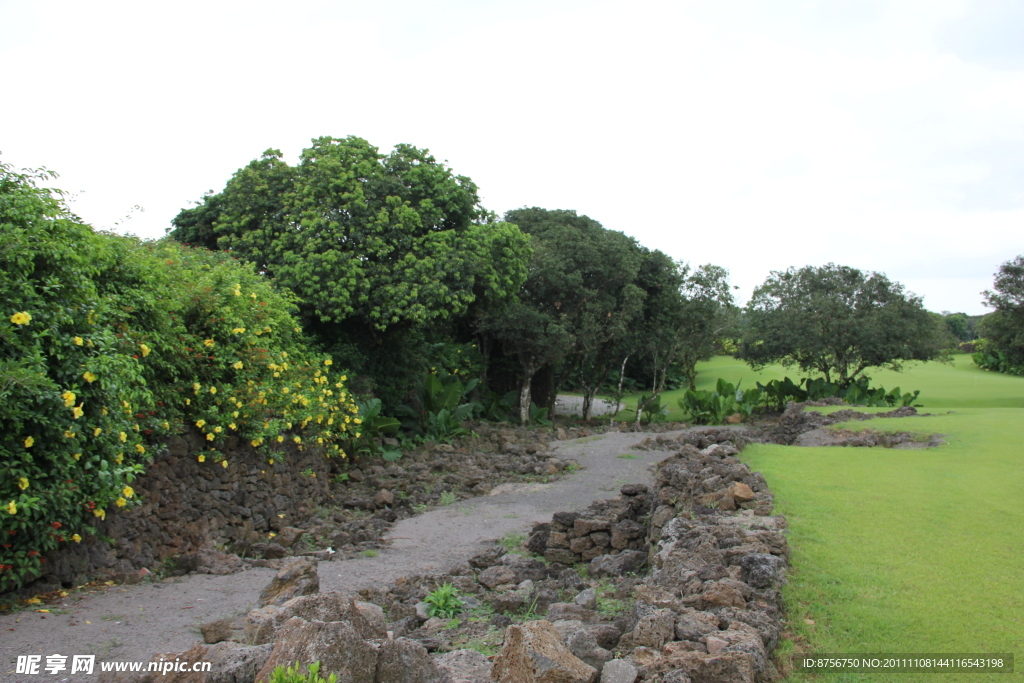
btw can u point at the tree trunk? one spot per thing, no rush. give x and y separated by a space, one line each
618 394
529 370
588 402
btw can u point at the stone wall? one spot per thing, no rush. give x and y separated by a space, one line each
187 505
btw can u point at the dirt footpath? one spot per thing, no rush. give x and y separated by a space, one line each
132 623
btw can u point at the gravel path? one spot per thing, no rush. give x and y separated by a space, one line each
131 623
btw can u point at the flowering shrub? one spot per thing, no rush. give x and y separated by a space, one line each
108 345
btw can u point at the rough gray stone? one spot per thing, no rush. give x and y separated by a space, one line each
297 576
496 576
619 671
289 536
587 599
336 645
464 666
655 629
762 570
534 653
405 661
626 562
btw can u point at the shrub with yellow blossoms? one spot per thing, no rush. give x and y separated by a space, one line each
137 341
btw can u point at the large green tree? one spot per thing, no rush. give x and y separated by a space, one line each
578 301
838 321
1003 329
377 247
684 314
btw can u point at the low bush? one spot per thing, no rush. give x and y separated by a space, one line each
443 602
713 407
292 674
988 357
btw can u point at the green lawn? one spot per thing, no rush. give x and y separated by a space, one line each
907 551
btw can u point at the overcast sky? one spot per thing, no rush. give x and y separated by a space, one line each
753 134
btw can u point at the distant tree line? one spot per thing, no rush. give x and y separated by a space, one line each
399 271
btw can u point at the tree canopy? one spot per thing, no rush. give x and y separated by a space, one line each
1003 329
579 298
838 321
378 248
387 239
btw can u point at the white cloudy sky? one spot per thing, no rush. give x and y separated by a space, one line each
754 134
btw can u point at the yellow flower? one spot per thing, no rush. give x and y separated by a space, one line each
12 508
234 413
271 461
88 377
328 362
280 439
298 329
22 483
103 410
213 390
237 365
126 405
122 436
76 538
165 424
224 464
201 458
21 318
119 458
128 492
233 426
200 423
76 456
208 342
97 431
284 354
140 448
210 437
196 387
358 420
188 401
77 411
237 291
256 442
271 534
252 295
297 439
145 350
100 512
69 398
120 502
69 434
218 429
29 441
239 330
77 340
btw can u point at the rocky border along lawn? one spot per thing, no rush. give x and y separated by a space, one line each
800 427
709 609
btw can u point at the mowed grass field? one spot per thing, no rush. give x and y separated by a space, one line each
906 551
